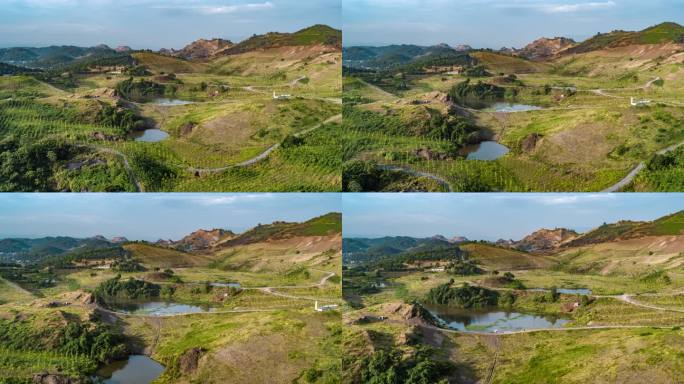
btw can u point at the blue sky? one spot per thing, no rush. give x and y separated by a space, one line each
154 24
496 23
152 216
491 216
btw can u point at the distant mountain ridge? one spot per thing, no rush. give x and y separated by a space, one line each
25 250
392 56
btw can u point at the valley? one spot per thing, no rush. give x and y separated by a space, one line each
604 114
604 305
259 115
210 306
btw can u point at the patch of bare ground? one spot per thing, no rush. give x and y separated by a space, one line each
233 129
585 143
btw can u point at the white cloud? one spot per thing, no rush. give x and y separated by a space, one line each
218 8
578 7
556 198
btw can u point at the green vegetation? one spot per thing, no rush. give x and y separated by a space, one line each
74 347
465 296
130 289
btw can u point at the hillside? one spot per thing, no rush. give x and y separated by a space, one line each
161 63
326 225
500 258
52 56
35 250
9 69
670 225
314 35
153 256
406 57
365 250
659 34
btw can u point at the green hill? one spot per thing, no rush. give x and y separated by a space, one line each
669 225
498 258
328 224
317 34
659 34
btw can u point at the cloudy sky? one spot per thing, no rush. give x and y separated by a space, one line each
491 216
154 23
152 216
496 23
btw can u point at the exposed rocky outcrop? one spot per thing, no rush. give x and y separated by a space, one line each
199 240
458 239
545 240
529 143
202 49
189 360
544 48
48 378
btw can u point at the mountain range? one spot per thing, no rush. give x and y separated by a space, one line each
54 57
396 56
27 251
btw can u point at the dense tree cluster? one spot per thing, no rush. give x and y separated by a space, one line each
96 341
130 289
388 367
478 91
465 296
139 90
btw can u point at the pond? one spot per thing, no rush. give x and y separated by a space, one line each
492 320
486 150
138 369
512 107
150 135
170 102
159 308
565 291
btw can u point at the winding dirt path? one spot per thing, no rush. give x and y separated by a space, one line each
630 300
635 171
127 165
492 368
413 172
262 155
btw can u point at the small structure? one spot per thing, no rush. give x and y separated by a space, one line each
438 269
324 308
281 97
638 103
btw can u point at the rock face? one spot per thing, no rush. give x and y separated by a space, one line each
119 239
189 360
46 378
202 48
529 143
199 240
458 239
545 240
544 48
123 48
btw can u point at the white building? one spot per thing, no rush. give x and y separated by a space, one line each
638 103
281 97
324 308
